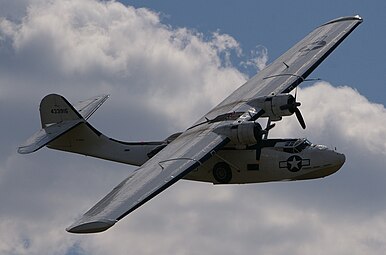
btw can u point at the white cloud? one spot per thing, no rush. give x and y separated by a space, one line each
161 80
121 49
258 58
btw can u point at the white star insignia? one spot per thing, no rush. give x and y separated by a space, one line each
294 163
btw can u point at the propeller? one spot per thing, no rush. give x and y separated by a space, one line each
300 118
292 106
264 132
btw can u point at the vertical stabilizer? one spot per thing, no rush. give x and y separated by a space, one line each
55 109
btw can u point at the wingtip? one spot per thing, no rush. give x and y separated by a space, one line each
91 227
356 17
24 150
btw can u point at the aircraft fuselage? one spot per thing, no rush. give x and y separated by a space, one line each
273 160
270 160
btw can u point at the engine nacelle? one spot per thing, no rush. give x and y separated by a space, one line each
275 107
246 133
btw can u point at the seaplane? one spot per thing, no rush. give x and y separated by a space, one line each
226 146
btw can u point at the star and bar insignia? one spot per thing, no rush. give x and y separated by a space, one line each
294 163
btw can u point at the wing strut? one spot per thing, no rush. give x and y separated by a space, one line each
268 128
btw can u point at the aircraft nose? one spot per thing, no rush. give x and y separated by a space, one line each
340 159
336 160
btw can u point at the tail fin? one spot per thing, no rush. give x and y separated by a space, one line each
55 109
58 116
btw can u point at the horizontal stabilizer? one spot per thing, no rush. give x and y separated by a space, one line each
46 135
87 107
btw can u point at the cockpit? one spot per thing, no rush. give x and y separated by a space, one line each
293 145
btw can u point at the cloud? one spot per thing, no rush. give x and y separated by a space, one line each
258 58
161 79
119 48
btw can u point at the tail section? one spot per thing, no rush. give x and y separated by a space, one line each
55 108
64 127
58 117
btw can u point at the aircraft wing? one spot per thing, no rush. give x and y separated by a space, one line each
202 140
183 155
291 68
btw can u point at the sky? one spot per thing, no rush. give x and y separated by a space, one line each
165 64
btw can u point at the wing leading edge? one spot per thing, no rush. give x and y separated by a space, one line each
200 142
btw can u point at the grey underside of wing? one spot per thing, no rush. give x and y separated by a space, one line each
198 143
184 154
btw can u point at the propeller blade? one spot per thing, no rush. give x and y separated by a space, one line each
300 118
257 115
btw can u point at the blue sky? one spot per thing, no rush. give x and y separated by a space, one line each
164 63
279 24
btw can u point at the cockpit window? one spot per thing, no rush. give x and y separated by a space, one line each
294 146
290 143
304 144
